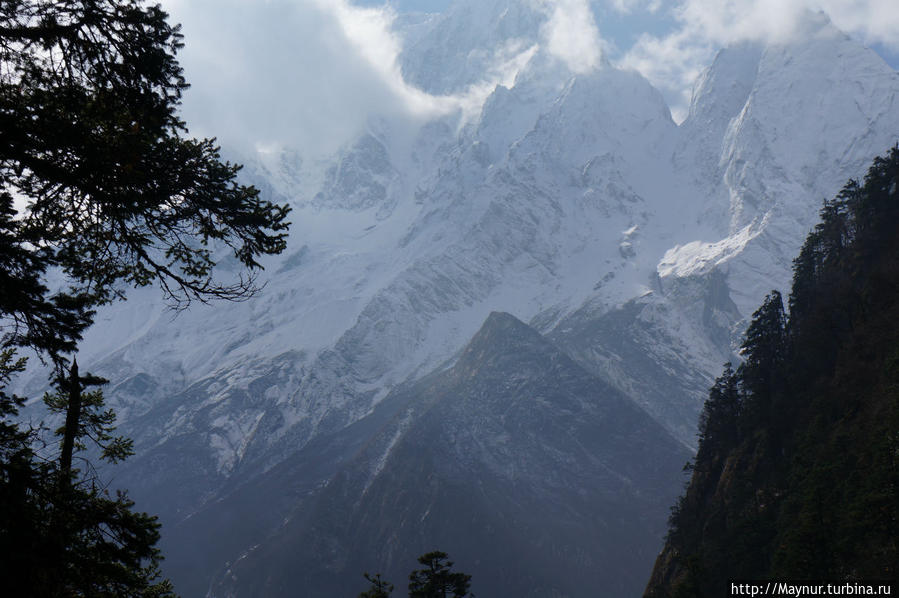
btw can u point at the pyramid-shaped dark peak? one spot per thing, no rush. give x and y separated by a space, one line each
503 324
503 337
502 319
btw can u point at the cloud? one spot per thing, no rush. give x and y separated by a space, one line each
570 34
773 20
876 21
310 74
671 62
738 20
303 73
628 6
369 31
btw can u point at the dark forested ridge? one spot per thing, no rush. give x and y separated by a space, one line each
797 472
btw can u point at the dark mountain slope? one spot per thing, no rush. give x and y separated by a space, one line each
535 476
797 473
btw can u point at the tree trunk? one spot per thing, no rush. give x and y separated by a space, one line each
73 415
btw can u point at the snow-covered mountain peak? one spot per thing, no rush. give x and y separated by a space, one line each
570 119
619 107
721 90
810 96
468 41
773 130
810 24
482 41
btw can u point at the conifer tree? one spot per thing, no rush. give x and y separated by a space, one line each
437 579
764 349
63 532
114 195
379 588
718 422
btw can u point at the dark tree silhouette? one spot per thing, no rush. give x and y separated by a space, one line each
100 183
116 195
437 579
378 588
718 422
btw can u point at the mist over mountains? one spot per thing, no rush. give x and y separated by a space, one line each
369 404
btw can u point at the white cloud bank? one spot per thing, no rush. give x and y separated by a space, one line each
570 34
673 61
736 20
306 73
312 73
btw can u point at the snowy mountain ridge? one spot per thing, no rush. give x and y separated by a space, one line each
572 200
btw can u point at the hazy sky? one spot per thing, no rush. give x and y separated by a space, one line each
311 73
